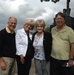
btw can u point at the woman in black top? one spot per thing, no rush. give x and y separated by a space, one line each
42 47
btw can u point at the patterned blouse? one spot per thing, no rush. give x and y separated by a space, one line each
38 45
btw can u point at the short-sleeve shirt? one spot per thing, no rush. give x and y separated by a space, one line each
61 42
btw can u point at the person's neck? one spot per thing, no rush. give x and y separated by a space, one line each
10 29
40 34
60 27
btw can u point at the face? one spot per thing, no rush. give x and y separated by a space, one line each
26 27
31 27
40 28
12 24
59 20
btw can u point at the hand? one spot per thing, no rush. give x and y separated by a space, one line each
70 63
2 64
22 59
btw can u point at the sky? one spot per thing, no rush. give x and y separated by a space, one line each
25 9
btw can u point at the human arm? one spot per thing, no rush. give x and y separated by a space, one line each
2 63
22 59
71 61
71 40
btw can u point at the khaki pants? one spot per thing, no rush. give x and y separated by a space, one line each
11 67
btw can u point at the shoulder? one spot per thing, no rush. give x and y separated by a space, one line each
47 36
47 33
20 30
3 31
53 28
69 28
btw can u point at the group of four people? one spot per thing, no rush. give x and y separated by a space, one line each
51 51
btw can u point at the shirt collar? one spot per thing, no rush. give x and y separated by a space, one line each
62 30
8 31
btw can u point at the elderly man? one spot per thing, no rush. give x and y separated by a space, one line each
8 48
62 53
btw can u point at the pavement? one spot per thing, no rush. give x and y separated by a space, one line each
32 70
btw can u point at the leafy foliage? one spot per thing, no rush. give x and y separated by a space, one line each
47 29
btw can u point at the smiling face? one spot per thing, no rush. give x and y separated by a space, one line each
26 27
12 23
60 19
40 28
40 25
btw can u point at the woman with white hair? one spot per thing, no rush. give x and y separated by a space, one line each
42 42
25 51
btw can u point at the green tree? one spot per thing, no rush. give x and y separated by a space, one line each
47 29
